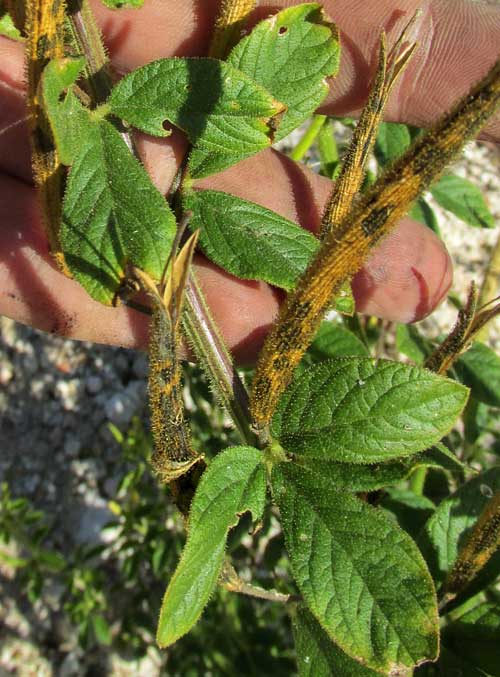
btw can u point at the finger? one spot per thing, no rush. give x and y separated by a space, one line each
14 140
458 41
405 286
32 291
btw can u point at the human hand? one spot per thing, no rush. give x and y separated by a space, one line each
408 274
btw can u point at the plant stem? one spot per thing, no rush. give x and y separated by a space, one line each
308 138
233 15
87 37
490 286
417 481
328 150
233 583
209 347
259 593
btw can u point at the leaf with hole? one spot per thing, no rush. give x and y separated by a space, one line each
362 410
362 577
70 122
225 114
233 483
248 240
291 54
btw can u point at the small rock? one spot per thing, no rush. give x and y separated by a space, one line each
93 384
29 484
67 392
111 486
121 407
30 363
72 446
70 667
140 366
6 373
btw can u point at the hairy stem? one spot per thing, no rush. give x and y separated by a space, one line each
87 37
208 345
346 248
232 17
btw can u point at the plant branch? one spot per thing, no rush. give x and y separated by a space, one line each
232 582
490 286
88 40
208 345
308 138
233 15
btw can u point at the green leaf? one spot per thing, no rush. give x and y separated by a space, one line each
8 28
120 4
475 636
226 115
291 54
248 240
463 199
393 140
344 302
317 655
106 225
479 369
362 577
411 343
411 510
447 530
358 478
233 483
333 340
450 665
363 410
328 150
422 211
481 622
70 122
101 630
